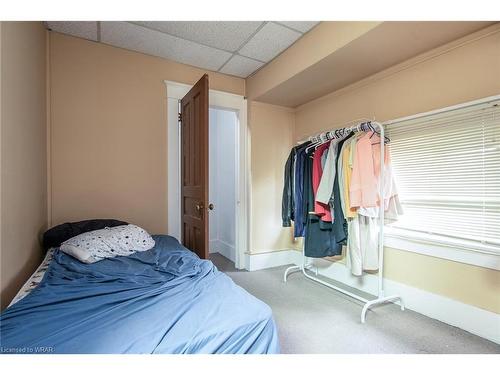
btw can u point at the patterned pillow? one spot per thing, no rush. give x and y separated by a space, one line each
91 247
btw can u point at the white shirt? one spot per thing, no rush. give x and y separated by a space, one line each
325 187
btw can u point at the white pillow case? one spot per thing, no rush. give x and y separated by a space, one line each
91 247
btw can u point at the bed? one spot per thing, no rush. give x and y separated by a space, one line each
164 300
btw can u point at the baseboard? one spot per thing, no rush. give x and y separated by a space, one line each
223 248
271 259
212 246
467 317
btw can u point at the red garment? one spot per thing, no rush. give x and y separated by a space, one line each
321 209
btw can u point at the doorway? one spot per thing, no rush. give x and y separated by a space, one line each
235 107
223 165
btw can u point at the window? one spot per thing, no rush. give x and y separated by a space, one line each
448 172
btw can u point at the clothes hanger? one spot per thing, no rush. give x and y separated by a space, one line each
357 122
314 142
375 131
324 139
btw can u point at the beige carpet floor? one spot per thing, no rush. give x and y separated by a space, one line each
314 319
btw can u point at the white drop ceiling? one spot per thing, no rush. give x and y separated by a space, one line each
230 47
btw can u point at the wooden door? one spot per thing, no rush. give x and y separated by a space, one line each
194 168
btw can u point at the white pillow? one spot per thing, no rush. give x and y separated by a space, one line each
90 247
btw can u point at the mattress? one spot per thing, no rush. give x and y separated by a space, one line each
34 279
163 300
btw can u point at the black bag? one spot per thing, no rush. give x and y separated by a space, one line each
55 236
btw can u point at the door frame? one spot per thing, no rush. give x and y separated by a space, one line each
222 100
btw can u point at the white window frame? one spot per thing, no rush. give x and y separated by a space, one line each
440 246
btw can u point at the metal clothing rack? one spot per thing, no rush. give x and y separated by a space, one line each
381 297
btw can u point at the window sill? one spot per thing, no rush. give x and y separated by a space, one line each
468 252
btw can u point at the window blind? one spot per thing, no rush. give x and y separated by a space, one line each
448 173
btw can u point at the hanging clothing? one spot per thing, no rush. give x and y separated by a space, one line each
344 169
323 159
291 203
300 215
325 189
362 249
339 222
348 211
341 173
287 200
362 246
364 188
331 193
320 240
321 209
391 213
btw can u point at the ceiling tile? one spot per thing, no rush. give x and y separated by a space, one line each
141 39
241 66
302 26
269 42
82 29
228 36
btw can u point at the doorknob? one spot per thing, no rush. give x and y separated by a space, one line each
199 207
211 206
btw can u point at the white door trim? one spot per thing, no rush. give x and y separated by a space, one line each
219 99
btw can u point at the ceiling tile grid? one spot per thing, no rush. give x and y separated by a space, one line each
228 36
241 66
300 26
230 47
152 42
269 41
82 29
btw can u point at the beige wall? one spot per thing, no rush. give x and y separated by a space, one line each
271 133
108 126
469 284
468 71
464 73
23 152
323 40
347 52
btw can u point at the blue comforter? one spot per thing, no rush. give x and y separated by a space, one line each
164 300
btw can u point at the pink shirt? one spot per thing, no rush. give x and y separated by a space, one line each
365 171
